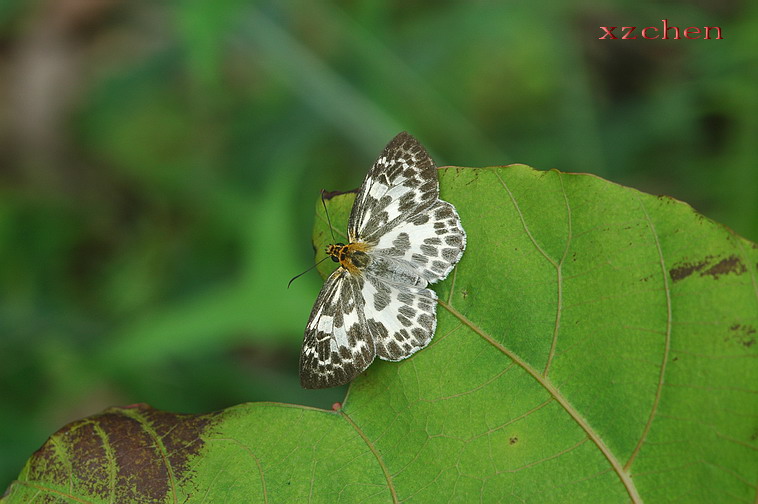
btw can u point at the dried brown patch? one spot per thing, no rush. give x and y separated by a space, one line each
130 454
731 264
86 443
683 270
48 464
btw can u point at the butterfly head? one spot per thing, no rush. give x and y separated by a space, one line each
337 251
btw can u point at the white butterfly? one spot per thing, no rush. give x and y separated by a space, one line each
402 238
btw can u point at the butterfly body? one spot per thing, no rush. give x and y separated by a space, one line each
402 237
352 257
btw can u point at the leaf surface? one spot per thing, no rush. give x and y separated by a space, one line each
595 344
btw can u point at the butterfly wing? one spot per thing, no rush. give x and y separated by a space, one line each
432 240
337 344
413 239
399 184
400 311
398 211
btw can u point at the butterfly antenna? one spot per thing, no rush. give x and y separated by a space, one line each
306 271
328 220
334 240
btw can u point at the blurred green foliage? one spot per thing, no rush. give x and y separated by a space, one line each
159 162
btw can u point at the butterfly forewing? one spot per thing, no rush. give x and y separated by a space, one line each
400 184
337 345
380 306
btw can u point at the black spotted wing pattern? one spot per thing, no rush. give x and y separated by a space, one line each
384 308
337 344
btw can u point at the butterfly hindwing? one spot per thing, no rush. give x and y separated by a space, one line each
432 241
403 319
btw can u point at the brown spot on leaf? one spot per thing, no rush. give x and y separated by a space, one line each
742 334
731 264
513 440
130 454
683 270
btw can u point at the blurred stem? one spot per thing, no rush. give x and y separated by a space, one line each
403 80
330 95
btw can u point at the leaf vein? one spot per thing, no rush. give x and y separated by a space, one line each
255 459
41 488
523 221
559 281
712 464
512 420
62 453
146 426
376 453
475 389
546 459
110 457
667 340
563 401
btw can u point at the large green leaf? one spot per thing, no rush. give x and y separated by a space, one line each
595 344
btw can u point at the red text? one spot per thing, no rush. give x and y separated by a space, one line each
665 32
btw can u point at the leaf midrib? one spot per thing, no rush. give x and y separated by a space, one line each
562 400
542 378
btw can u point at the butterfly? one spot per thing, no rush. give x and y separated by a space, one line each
377 303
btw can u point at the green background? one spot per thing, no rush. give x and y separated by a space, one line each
159 162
